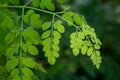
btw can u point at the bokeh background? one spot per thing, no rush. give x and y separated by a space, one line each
104 16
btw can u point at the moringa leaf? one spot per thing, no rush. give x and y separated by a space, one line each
12 63
32 50
28 62
50 6
84 49
46 25
9 37
45 34
51 60
35 3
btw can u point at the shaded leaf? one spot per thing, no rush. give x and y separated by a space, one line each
12 63
28 62
35 3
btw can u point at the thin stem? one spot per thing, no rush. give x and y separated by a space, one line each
8 6
21 44
52 30
27 2
41 10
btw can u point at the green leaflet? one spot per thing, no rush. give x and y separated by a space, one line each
27 72
26 19
31 35
35 3
42 6
51 60
61 28
61 1
12 63
30 12
68 16
9 52
55 47
55 53
50 6
84 49
77 19
56 34
46 41
28 62
90 50
56 41
75 51
45 34
47 4
46 25
24 47
14 72
10 37
32 50
34 19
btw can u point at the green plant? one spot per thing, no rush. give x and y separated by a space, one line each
22 35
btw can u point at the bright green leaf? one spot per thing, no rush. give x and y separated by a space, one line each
84 49
77 19
75 51
32 50
56 34
47 41
30 12
56 54
55 47
56 41
45 34
61 28
51 60
50 6
90 50
46 25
